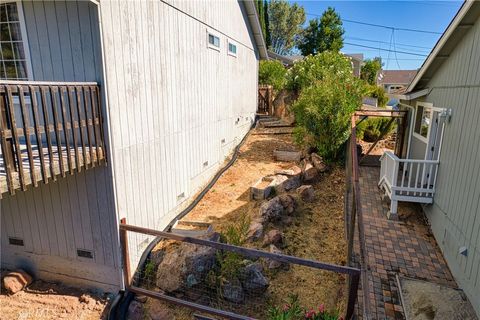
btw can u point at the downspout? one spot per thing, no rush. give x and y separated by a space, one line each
410 127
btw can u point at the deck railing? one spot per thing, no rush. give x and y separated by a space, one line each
48 129
407 179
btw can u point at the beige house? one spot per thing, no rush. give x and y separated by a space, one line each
439 167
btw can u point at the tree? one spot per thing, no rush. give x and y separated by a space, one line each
324 108
272 72
324 34
285 24
370 70
267 24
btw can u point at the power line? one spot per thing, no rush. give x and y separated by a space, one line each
385 42
388 50
380 25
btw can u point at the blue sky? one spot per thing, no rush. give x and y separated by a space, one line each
420 15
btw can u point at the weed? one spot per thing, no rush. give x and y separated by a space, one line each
292 310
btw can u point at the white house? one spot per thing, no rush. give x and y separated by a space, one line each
142 101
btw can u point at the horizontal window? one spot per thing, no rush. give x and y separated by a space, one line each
213 41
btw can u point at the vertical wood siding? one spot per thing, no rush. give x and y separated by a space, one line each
172 100
76 212
455 214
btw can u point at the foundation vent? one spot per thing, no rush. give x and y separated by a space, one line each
85 253
15 241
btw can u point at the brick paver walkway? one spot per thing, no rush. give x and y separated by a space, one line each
405 247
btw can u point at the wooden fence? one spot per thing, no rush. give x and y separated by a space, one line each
352 273
48 129
265 100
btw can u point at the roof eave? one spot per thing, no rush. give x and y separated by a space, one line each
441 43
256 28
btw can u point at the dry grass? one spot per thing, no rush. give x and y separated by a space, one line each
317 232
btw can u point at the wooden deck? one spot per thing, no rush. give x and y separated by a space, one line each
48 129
52 167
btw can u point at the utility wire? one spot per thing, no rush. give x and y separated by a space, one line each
385 42
395 48
380 26
388 50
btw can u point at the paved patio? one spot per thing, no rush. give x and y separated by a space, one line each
405 247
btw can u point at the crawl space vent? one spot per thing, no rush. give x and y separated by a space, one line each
15 241
85 253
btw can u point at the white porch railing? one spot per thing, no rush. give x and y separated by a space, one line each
408 180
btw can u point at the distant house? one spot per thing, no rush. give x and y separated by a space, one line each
112 109
439 166
357 62
287 61
394 81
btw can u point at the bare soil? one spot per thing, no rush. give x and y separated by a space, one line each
45 300
317 232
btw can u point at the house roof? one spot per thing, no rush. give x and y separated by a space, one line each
286 60
458 27
397 76
256 28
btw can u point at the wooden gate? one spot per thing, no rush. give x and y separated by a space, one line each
265 100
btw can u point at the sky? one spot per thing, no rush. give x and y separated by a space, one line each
432 16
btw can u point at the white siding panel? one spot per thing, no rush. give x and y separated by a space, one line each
172 100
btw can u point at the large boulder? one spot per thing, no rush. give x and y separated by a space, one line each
182 266
274 209
16 281
252 279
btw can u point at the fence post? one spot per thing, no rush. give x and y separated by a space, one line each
354 281
125 255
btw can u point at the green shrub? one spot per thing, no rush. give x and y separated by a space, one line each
375 91
323 113
371 129
313 69
272 72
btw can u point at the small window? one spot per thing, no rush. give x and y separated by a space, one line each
422 121
213 41
13 61
232 49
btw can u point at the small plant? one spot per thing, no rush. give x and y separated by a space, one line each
292 310
149 271
231 262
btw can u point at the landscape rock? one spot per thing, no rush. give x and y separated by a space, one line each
181 266
275 208
252 279
288 203
85 298
255 231
272 210
318 162
294 171
135 311
16 281
287 220
274 264
232 291
309 172
292 183
306 192
274 237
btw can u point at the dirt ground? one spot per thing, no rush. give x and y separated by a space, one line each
45 300
317 232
